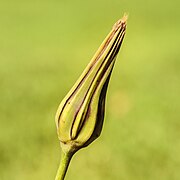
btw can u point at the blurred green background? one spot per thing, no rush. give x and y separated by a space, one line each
44 47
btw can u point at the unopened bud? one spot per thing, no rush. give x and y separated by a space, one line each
80 115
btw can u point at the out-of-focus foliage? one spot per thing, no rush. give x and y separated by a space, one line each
45 45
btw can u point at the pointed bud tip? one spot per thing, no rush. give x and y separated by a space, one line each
124 18
121 22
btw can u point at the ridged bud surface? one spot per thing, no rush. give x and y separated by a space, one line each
80 115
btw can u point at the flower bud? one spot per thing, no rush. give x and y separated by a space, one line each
80 115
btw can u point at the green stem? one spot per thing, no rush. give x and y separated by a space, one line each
64 163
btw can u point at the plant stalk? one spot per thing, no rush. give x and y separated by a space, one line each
63 166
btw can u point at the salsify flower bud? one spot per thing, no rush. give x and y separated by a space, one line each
80 115
79 118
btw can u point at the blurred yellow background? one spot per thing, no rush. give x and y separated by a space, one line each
44 47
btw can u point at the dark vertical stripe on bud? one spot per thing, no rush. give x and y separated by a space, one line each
115 49
100 113
114 53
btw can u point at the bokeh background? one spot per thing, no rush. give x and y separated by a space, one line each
44 47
